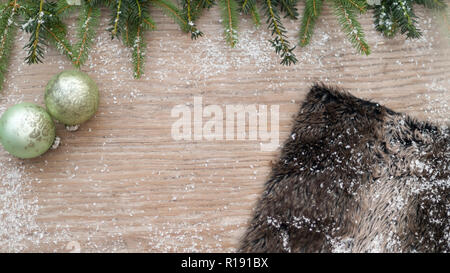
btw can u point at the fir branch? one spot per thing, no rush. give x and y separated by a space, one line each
142 23
255 15
44 26
7 33
246 6
188 16
311 12
358 5
250 7
117 16
405 18
230 20
33 26
351 26
394 15
172 11
149 23
126 34
57 35
280 42
63 8
199 6
384 20
138 52
289 8
87 24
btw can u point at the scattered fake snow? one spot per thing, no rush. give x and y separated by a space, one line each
18 209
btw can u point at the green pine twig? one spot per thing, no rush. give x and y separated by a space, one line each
8 31
246 6
311 12
250 7
87 24
254 12
142 24
280 42
385 21
57 36
63 8
288 7
188 14
36 41
172 11
351 26
138 51
405 18
229 13
116 19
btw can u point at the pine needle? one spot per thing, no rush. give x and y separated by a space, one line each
117 17
35 50
87 24
246 6
57 35
138 52
230 20
289 8
188 14
351 26
250 7
7 33
172 11
255 15
63 8
280 42
311 12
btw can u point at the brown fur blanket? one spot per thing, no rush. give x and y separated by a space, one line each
355 176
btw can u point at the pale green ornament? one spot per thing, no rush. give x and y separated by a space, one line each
71 97
26 130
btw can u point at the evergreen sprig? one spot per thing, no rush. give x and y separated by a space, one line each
230 20
87 26
250 7
130 20
344 10
200 6
190 13
280 42
142 23
393 16
310 14
8 29
38 19
289 8
64 8
171 10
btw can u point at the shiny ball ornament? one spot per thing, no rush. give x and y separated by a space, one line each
26 130
71 97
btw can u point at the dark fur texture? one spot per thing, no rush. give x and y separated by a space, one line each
355 177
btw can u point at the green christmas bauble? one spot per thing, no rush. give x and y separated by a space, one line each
71 97
26 130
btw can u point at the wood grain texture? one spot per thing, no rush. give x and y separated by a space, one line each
122 184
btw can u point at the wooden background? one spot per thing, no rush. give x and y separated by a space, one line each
122 184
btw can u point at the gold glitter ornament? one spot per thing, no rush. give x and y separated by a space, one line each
26 130
71 97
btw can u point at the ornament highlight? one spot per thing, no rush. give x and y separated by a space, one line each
71 97
26 130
